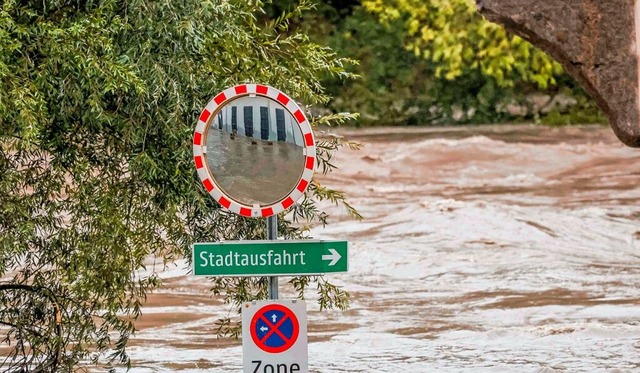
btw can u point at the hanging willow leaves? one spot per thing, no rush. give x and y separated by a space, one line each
98 100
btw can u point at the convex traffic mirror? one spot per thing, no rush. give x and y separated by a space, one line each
254 150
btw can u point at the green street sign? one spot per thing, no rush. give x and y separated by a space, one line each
269 258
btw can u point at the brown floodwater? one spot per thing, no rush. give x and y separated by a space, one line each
483 249
253 170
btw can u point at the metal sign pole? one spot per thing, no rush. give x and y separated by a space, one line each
272 234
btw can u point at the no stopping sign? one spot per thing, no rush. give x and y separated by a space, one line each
274 328
274 336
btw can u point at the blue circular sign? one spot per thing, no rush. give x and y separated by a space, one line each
274 328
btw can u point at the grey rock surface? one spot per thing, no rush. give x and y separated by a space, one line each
595 40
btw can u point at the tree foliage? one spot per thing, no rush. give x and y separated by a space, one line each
453 36
439 62
395 86
98 101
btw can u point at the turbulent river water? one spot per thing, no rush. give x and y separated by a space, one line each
483 249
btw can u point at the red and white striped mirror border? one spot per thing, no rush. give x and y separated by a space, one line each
199 145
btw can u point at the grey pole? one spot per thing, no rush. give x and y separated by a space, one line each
272 234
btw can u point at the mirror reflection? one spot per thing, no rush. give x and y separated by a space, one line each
255 150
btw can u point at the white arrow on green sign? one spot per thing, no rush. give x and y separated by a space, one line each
269 258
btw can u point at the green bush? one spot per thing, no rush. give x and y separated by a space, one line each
438 62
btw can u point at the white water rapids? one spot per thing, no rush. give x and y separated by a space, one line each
484 249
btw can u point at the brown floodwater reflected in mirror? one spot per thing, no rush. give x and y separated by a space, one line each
254 150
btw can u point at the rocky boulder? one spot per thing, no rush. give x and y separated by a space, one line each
595 40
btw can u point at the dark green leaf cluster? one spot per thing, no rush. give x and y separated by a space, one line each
98 100
404 78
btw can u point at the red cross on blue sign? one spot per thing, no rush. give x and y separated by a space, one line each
274 328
